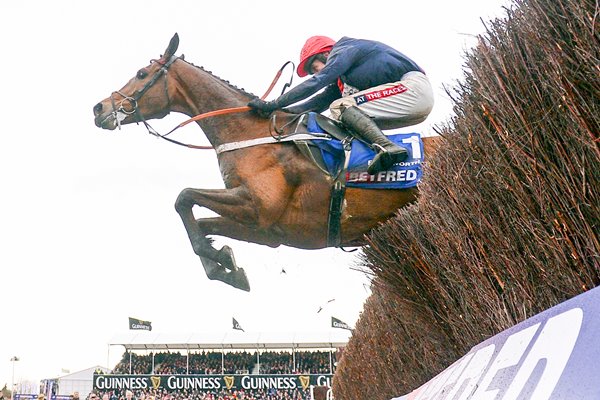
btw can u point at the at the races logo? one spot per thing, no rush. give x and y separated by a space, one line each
380 94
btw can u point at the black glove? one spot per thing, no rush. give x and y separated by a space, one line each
263 108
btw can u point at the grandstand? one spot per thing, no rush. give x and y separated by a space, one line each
216 366
229 344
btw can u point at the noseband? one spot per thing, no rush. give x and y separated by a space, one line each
128 105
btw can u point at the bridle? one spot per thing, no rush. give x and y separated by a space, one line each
132 101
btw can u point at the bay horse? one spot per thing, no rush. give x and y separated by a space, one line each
273 194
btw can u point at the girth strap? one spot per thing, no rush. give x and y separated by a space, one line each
338 191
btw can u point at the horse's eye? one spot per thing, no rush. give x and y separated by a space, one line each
141 74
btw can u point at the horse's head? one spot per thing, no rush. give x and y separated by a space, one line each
146 96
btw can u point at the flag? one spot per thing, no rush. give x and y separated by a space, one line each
236 325
135 323
336 323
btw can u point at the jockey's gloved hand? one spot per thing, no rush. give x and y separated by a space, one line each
263 108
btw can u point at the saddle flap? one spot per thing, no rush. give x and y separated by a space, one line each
403 175
329 126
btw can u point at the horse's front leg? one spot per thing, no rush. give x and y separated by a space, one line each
232 203
221 226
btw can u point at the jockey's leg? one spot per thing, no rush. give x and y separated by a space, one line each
365 129
389 106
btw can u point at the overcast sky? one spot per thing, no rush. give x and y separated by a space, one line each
89 233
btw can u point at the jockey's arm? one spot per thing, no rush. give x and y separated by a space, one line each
317 103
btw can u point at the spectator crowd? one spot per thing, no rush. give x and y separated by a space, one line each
215 362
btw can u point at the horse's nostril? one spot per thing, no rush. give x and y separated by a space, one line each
97 108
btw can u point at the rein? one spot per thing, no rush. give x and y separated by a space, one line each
163 72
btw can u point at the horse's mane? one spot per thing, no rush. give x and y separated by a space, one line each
229 84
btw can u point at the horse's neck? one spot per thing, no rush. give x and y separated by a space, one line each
198 92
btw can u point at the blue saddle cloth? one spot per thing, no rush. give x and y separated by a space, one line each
402 176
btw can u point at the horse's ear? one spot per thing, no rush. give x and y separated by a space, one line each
172 48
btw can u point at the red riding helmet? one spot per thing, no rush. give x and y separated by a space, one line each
314 45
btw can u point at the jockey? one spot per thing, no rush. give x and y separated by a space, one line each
367 85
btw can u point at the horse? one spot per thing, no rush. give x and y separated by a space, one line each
273 194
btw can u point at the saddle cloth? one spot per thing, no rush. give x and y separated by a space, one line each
406 174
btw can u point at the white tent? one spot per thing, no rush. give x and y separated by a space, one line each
80 381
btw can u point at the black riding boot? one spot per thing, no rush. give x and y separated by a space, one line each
365 129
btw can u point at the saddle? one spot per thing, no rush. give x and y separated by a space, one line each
345 159
339 153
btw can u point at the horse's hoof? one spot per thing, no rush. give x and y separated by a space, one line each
239 280
227 259
212 268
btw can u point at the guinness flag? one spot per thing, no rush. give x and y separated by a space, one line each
135 323
336 323
236 325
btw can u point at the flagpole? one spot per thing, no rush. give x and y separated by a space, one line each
258 359
12 389
153 354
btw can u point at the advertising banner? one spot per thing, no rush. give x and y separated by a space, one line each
553 355
209 382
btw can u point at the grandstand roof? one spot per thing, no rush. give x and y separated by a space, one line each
236 340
